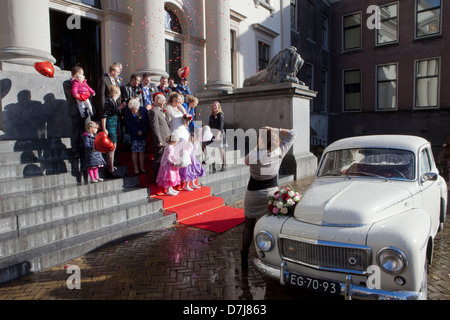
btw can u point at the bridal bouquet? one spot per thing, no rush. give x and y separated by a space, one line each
284 201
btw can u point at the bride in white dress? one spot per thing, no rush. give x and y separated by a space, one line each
178 126
174 114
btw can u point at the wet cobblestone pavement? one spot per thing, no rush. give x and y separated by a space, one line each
184 263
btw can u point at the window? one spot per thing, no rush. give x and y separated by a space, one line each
233 56
424 162
172 23
324 32
387 87
173 59
294 14
428 17
92 3
263 55
310 18
427 83
324 91
388 32
309 81
352 31
352 90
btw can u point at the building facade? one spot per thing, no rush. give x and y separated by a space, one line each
379 68
390 66
222 42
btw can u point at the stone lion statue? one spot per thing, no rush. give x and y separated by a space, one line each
282 68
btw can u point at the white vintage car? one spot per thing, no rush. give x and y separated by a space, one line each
365 227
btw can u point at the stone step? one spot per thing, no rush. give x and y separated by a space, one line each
34 156
37 235
34 145
33 169
57 193
37 214
28 184
57 252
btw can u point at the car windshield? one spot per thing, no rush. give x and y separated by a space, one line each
369 162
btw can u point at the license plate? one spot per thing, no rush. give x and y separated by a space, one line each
314 284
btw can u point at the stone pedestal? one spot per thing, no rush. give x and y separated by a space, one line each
33 107
284 105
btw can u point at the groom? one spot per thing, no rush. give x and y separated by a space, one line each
160 129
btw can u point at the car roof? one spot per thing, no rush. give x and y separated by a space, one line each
405 142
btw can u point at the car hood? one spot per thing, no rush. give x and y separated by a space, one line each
351 202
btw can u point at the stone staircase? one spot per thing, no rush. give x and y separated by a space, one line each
50 213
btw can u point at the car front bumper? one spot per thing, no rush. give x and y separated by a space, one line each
347 289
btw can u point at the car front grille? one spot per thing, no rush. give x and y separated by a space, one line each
324 255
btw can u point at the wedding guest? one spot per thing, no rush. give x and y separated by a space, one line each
160 129
168 175
190 105
103 86
171 84
119 80
78 120
217 125
132 90
94 158
136 120
82 92
184 89
163 87
148 89
110 123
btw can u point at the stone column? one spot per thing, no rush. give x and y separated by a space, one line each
25 32
148 38
218 51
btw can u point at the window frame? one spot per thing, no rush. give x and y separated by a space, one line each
377 81
416 14
438 76
268 47
343 30
360 90
377 43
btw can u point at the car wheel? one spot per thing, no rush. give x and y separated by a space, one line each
423 292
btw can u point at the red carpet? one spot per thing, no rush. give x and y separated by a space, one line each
201 210
193 208
217 220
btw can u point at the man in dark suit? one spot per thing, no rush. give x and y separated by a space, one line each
148 89
78 120
160 129
104 83
163 87
132 89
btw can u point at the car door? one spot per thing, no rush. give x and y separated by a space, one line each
429 187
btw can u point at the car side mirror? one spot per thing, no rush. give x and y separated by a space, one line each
429 176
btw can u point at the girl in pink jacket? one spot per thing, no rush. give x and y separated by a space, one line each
82 92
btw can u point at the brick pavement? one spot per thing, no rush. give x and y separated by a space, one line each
182 263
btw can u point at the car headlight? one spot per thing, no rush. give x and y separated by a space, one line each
392 260
264 241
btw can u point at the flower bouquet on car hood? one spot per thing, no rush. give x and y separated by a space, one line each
284 201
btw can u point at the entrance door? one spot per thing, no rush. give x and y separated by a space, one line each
76 46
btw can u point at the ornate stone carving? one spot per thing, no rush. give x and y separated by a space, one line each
282 68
